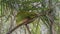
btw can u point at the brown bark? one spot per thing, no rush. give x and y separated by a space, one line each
25 21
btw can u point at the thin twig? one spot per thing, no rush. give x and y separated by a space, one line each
28 28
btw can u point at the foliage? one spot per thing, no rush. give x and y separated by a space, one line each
29 9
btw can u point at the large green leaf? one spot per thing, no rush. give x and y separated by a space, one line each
24 14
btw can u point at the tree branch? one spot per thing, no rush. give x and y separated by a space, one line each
25 21
28 28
